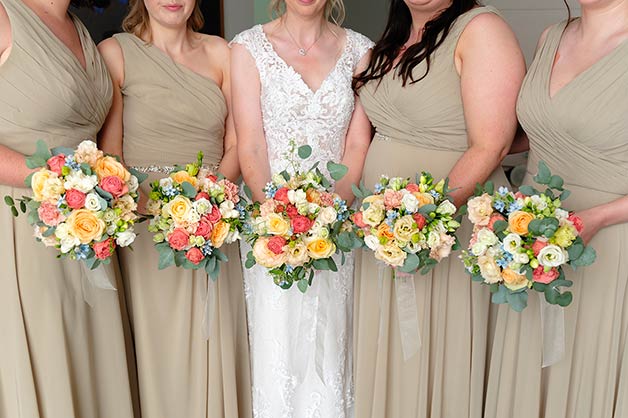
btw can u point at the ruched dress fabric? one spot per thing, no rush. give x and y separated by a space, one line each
170 114
582 134
420 127
59 357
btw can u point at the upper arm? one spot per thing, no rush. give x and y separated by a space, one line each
111 134
223 56
5 34
492 68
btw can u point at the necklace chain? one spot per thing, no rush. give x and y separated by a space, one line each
303 51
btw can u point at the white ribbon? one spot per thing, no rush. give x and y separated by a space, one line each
208 310
100 278
408 314
553 331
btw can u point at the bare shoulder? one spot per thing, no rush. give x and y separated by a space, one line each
215 46
488 35
111 52
487 25
5 30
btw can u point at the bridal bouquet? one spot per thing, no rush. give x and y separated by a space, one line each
409 226
522 240
300 225
84 202
194 213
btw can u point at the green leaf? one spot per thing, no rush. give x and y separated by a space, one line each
345 242
564 299
303 285
478 189
23 206
213 274
247 192
40 157
587 258
14 211
500 296
48 232
517 300
357 192
321 264
285 175
9 200
86 169
425 210
62 150
544 174
477 278
556 182
141 177
189 191
575 251
489 187
179 258
166 255
337 171
250 260
105 195
500 226
332 264
211 264
564 195
220 255
304 152
29 180
528 190
411 264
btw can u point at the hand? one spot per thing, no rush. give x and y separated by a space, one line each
592 222
141 203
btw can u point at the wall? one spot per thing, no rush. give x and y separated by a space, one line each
239 15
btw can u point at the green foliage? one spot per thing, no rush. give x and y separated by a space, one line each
304 152
337 171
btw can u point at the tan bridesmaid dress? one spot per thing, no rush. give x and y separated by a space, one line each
171 113
420 127
59 357
582 134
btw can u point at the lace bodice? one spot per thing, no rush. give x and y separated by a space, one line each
292 111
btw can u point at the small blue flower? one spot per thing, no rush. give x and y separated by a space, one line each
270 190
435 194
499 205
502 263
207 249
514 206
81 251
170 191
289 268
379 188
69 162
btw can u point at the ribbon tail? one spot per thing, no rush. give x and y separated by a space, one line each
209 308
322 316
302 341
408 314
553 331
99 278
381 268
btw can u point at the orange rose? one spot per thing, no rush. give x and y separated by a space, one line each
514 280
183 176
85 226
424 198
313 196
109 166
219 233
518 222
383 230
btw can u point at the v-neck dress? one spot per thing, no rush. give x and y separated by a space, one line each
582 134
170 114
59 357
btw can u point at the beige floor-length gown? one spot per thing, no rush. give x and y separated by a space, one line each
421 127
582 134
171 113
59 357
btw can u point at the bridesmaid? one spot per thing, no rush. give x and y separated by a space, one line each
440 91
573 107
171 99
59 357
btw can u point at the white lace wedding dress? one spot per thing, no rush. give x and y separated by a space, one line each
301 343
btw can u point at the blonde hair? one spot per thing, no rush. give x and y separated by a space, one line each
137 21
334 10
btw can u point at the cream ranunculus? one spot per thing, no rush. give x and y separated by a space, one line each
320 248
85 226
391 254
297 254
327 215
374 214
87 152
126 238
487 237
489 269
277 225
480 209
265 257
179 209
552 256
404 228
478 249
446 208
38 181
372 242
81 182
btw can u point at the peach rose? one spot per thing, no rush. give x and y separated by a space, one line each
219 233
480 209
182 177
514 280
109 166
320 248
518 222
85 226
265 257
384 231
424 198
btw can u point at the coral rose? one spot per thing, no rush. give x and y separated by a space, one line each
357 219
412 187
540 275
301 224
276 244
114 185
264 256
282 195
56 163
179 239
420 220
577 222
202 195
204 228
104 249
75 198
194 255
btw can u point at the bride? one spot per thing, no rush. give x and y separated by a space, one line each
291 81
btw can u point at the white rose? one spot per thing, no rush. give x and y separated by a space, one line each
312 208
410 202
561 214
279 180
552 256
92 202
487 237
521 258
227 210
538 202
165 182
446 208
327 216
125 238
201 206
232 236
79 181
297 196
111 229
512 243
68 243
478 249
372 242
62 231
133 184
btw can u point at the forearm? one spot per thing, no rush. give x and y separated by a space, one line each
475 166
14 170
255 170
229 165
354 158
615 212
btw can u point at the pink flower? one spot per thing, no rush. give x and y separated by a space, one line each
358 220
104 249
114 185
194 255
392 199
75 198
49 214
494 218
213 178
231 190
201 195
178 239
412 188
56 163
538 246
267 207
301 224
420 220
280 208
519 195
282 195
204 228
292 211
276 244
443 248
327 199
577 222
215 215
539 275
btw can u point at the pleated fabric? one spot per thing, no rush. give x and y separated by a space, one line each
171 113
59 357
581 134
421 127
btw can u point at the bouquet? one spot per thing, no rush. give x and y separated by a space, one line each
194 213
84 202
300 225
522 240
409 226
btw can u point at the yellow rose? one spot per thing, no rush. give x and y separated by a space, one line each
109 166
374 214
404 229
183 176
514 280
277 225
374 198
265 257
85 226
518 222
179 208
297 254
391 254
320 248
424 198
38 183
219 233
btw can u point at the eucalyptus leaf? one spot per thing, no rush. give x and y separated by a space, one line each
337 171
556 182
9 200
411 264
489 187
304 152
528 190
500 226
500 295
62 150
302 285
544 174
189 191
587 258
105 195
28 180
517 300
23 206
564 195
247 192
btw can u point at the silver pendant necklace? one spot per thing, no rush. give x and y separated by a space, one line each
303 51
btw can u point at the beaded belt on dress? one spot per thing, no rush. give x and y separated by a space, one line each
166 169
381 137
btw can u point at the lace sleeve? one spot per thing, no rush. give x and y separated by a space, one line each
360 45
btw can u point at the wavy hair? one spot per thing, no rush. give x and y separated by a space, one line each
137 20
397 32
334 10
